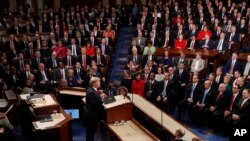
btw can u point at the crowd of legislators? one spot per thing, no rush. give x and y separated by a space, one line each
57 47
79 44
218 99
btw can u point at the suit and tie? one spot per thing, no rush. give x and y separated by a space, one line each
94 112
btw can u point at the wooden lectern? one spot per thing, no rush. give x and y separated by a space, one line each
119 110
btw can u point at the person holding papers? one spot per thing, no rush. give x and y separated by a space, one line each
94 108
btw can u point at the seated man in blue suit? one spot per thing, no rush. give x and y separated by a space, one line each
232 64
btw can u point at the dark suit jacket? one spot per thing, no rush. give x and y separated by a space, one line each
66 42
177 60
94 108
103 60
65 60
154 88
183 78
58 75
235 38
80 42
81 74
39 76
243 68
17 64
110 92
50 63
237 66
222 103
169 89
35 44
210 44
88 59
224 45
208 98
196 93
145 59
34 63
196 44
138 61
107 49
78 49
27 54
243 111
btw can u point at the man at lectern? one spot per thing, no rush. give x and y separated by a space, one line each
94 108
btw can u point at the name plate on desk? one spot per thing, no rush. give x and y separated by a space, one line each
56 119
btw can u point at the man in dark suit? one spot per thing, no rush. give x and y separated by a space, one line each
80 41
134 45
135 57
151 89
69 60
211 78
181 58
37 43
104 48
43 78
75 49
110 91
52 41
183 78
23 44
65 39
220 44
61 72
192 43
233 36
207 43
92 39
84 59
232 64
20 63
30 52
192 94
94 108
204 101
52 62
234 99
219 75
79 73
220 102
246 67
37 60
99 58
148 57
241 113
12 42
192 32
166 94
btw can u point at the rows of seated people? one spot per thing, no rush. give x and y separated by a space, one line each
174 82
52 48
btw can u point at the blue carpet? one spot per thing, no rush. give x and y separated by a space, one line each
120 60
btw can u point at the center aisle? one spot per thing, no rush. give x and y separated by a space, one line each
120 59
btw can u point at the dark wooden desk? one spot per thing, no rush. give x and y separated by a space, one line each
61 131
243 56
205 54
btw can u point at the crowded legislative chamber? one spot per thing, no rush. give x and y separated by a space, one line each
124 70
